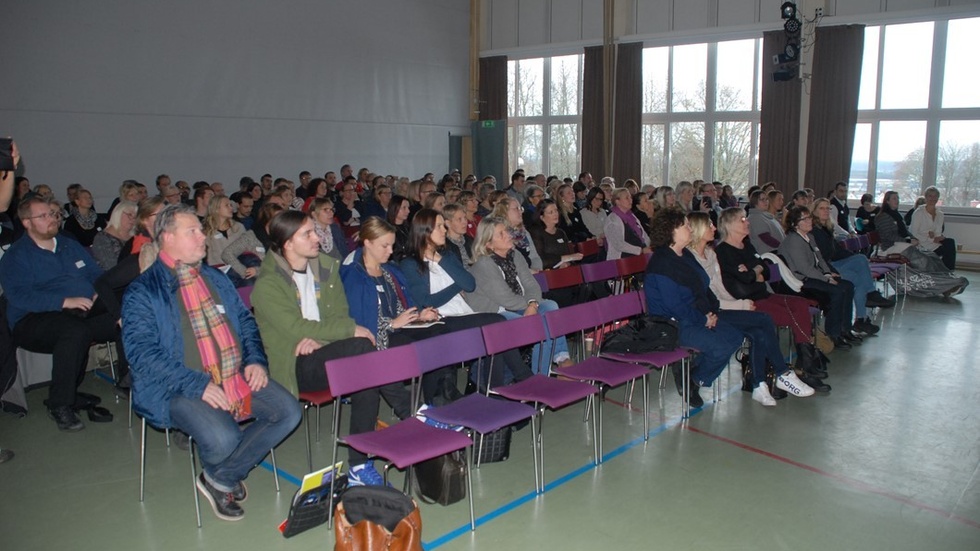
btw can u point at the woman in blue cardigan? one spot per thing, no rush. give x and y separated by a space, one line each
378 298
440 281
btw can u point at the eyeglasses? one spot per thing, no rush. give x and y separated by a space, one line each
54 215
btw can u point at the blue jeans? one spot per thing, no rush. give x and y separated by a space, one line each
228 452
558 346
761 331
716 347
855 269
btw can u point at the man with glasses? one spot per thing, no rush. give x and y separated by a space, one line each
48 280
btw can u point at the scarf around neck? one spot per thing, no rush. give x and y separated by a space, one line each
629 220
507 266
220 352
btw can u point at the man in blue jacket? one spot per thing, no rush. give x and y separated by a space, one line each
198 363
48 281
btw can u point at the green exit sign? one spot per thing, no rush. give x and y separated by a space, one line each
489 124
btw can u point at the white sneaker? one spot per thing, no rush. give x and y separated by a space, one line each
761 394
792 384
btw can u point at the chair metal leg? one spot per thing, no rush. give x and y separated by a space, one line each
646 408
686 386
130 408
318 423
309 450
275 469
112 363
663 377
541 447
469 487
142 459
333 457
197 498
479 451
534 451
597 428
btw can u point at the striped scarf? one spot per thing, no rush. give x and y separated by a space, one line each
220 353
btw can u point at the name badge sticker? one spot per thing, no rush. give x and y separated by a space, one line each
221 308
260 250
560 240
381 288
80 264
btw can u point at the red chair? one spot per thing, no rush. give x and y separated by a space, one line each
569 276
631 266
589 247
313 399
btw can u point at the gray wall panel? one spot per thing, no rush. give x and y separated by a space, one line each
109 89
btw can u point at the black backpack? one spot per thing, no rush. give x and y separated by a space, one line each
646 334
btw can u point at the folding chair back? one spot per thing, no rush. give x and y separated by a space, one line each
619 307
542 281
600 271
563 277
450 348
353 374
588 247
514 333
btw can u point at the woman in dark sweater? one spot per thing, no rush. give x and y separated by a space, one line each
551 242
83 223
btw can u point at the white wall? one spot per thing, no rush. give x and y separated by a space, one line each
104 90
535 26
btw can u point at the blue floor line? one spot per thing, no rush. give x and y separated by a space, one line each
507 507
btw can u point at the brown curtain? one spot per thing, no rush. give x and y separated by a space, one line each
493 88
627 128
836 81
779 134
593 150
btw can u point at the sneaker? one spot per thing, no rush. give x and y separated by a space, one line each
865 326
364 475
761 394
239 493
223 503
792 385
421 416
66 419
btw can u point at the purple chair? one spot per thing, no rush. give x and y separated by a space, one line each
476 412
599 371
607 270
246 294
402 444
541 390
542 281
628 305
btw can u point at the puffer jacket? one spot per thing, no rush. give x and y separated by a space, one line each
154 342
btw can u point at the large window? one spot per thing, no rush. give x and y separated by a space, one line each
919 113
701 113
544 105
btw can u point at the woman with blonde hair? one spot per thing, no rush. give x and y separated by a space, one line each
512 213
505 285
665 197
570 219
220 228
740 313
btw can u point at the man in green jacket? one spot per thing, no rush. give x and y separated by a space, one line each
302 314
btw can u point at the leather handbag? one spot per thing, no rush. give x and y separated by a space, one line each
441 479
377 518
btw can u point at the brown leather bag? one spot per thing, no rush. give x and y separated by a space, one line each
375 518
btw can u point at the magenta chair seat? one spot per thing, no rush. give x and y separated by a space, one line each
551 392
600 271
481 413
607 372
657 359
408 442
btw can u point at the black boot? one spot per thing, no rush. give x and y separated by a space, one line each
808 361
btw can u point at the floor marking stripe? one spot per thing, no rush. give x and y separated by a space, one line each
517 502
507 507
841 478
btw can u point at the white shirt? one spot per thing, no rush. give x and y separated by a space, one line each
439 280
307 294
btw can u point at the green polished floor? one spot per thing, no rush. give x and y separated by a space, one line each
889 460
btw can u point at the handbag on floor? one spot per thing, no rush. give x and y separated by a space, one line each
646 334
441 479
312 507
496 446
377 518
